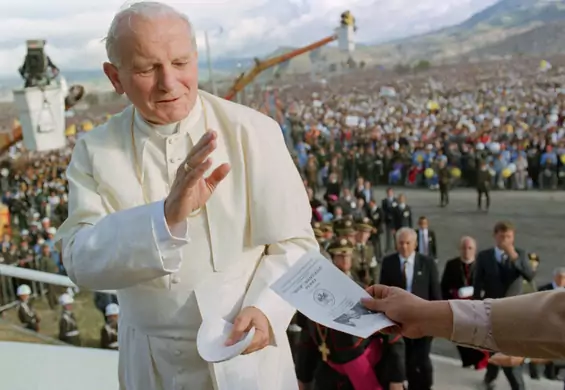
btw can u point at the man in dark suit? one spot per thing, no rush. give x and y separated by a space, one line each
388 205
427 242
417 274
376 215
499 273
402 214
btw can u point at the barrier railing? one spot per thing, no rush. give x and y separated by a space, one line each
12 275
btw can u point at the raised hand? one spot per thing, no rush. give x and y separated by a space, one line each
191 190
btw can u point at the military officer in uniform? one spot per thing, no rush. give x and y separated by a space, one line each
531 286
109 333
319 233
335 360
28 317
68 328
364 261
345 228
328 231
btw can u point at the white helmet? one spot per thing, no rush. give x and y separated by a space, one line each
112 309
23 289
66 299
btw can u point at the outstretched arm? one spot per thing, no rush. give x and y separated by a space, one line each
105 250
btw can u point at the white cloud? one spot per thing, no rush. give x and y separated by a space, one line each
74 28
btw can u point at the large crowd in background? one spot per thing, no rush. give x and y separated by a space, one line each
347 135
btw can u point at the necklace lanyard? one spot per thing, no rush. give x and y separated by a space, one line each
138 168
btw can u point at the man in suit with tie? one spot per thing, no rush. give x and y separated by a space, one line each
427 243
499 273
417 274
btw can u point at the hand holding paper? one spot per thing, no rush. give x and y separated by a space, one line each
327 296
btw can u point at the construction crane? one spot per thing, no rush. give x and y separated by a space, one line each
245 78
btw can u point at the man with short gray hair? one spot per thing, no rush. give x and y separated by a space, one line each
558 280
173 203
417 274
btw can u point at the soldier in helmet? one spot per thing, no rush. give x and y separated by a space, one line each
109 333
364 261
68 328
26 314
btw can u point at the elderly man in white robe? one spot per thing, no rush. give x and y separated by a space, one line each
190 206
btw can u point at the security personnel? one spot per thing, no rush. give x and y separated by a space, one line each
109 333
444 177
335 360
364 260
28 317
68 328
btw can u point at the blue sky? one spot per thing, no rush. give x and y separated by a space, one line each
74 28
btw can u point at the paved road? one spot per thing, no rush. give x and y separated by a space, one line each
448 375
538 216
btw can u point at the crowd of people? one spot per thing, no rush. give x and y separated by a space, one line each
383 242
396 130
492 126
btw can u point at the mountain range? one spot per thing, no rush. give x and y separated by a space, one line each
509 27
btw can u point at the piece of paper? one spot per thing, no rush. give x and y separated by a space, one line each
211 339
324 294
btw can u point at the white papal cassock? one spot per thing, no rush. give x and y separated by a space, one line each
253 228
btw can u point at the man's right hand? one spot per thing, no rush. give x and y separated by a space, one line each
414 316
191 190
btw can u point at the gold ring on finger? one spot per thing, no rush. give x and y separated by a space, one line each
187 167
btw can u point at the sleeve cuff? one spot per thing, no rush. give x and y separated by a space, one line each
472 323
169 241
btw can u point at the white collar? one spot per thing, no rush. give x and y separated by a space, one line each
409 260
170 129
498 252
556 287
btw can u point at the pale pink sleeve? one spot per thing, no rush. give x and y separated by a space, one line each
472 324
